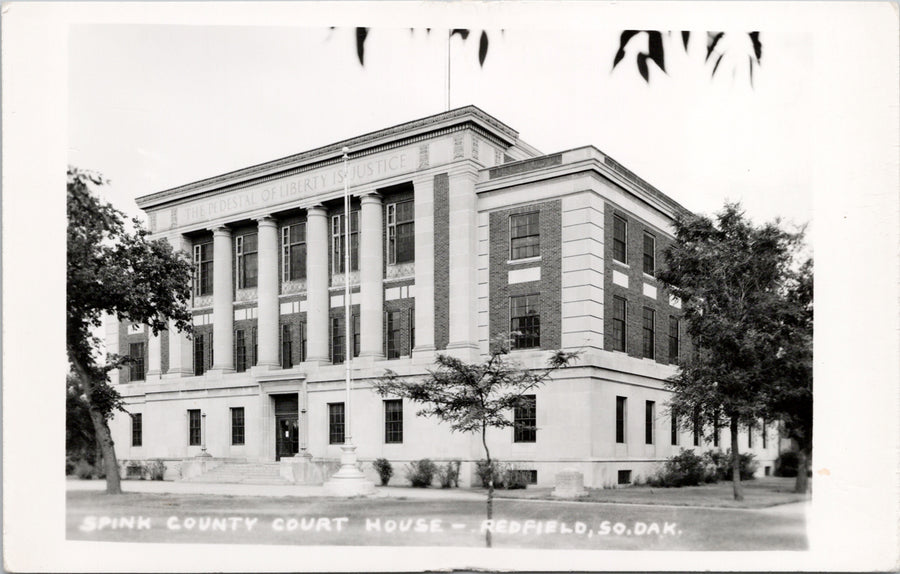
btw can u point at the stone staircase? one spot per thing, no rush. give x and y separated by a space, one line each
242 473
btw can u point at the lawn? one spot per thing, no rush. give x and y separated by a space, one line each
758 493
199 518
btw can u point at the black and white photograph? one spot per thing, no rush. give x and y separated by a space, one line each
410 286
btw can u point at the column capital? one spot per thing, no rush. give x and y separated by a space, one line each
316 210
220 230
265 221
370 197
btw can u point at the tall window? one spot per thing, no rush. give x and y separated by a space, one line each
302 342
618 324
649 417
620 419
673 339
194 427
392 328
137 429
247 265
337 242
356 335
254 347
412 330
764 437
293 252
401 232
337 340
749 436
525 321
525 418
198 354
203 269
287 357
524 235
716 429
649 254
136 352
649 332
237 425
674 429
698 429
240 351
393 421
335 423
619 233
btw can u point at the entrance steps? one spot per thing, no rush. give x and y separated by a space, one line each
242 473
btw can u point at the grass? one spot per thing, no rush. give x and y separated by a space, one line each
759 493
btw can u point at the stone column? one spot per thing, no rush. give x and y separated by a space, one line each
223 301
371 275
463 251
317 301
424 212
154 355
180 347
267 294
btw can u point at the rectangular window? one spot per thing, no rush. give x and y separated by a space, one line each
137 429
302 342
412 330
401 232
247 264
240 351
293 252
393 421
525 321
764 437
698 429
674 439
337 242
254 347
356 335
524 235
337 340
335 423
649 417
619 233
237 425
198 355
287 351
525 418
649 254
624 477
136 352
194 427
649 332
673 339
620 419
392 329
749 436
203 269
618 324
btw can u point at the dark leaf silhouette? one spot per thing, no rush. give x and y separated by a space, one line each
757 46
361 34
655 51
482 48
463 32
642 66
712 38
685 36
623 41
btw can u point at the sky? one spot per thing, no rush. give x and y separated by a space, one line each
156 106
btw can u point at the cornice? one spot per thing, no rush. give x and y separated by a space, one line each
332 154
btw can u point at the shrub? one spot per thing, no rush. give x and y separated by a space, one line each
157 470
683 469
448 474
514 478
421 472
787 463
484 473
384 469
722 462
135 469
83 470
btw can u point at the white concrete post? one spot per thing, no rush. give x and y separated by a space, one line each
463 252
371 275
154 355
223 301
267 294
180 347
317 301
424 214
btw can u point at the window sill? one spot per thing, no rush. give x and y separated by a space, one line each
648 277
620 264
523 261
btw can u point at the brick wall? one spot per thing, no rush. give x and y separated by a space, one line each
441 261
293 320
549 284
247 326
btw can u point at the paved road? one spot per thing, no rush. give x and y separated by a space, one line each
435 518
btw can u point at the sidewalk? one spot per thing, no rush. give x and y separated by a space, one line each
176 487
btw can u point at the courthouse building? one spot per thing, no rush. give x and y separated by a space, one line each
460 232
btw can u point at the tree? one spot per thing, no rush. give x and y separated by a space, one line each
473 397
117 270
732 279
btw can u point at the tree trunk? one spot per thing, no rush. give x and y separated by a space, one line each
101 432
736 484
490 493
802 483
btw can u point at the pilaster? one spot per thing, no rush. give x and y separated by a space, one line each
462 261
424 305
371 274
154 356
317 299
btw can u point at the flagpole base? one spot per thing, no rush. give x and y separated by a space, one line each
349 481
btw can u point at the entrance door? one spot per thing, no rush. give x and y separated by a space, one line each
287 439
